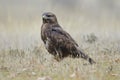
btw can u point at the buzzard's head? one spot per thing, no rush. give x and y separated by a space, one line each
49 17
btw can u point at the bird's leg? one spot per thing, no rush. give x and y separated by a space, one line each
58 55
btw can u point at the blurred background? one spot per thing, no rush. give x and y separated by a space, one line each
21 20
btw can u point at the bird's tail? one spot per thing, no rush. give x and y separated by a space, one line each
84 56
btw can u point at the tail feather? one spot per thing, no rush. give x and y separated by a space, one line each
86 57
78 53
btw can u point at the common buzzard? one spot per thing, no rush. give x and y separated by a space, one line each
57 41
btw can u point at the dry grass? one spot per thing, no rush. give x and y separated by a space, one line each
31 64
34 62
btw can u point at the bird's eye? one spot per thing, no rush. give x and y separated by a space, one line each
48 15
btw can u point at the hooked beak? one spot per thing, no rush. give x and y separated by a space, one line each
44 17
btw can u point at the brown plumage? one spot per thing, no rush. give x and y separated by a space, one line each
57 41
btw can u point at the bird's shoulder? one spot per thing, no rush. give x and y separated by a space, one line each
60 35
57 31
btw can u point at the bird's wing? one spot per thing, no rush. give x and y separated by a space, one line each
58 35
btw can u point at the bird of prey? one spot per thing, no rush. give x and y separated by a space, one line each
57 41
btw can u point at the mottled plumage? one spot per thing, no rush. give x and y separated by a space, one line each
57 41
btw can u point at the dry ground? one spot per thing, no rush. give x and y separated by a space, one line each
38 64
